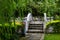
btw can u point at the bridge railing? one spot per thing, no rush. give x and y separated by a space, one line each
27 21
47 19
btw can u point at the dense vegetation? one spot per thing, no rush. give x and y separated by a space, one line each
51 7
11 32
55 25
15 8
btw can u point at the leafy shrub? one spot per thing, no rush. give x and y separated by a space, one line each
9 32
55 26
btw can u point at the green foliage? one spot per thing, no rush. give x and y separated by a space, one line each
44 6
51 22
7 28
55 25
7 8
35 6
8 32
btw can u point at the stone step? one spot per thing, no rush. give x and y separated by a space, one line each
35 31
36 22
35 25
34 36
40 28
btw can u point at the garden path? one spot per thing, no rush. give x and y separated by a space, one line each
35 36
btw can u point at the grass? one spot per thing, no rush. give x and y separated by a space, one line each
52 37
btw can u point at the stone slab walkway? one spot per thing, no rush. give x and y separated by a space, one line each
35 36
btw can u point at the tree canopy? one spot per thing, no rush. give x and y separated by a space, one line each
51 7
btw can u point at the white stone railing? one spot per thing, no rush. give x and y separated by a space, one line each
47 19
28 19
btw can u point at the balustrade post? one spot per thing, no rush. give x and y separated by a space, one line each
29 18
45 20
